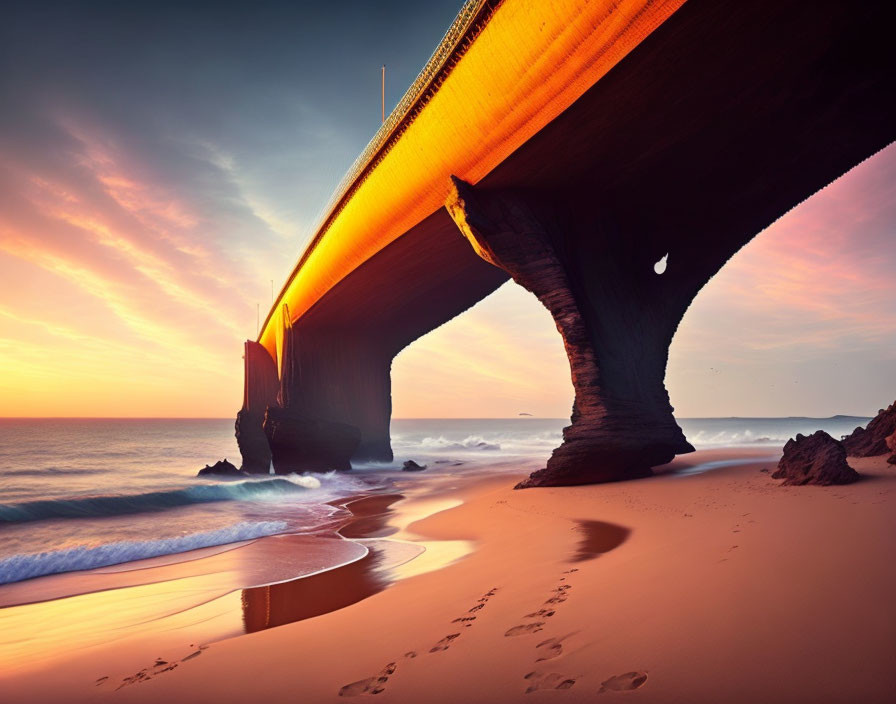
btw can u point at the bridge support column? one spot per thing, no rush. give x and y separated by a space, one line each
616 338
260 388
329 405
335 396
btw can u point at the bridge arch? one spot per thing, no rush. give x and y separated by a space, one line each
719 121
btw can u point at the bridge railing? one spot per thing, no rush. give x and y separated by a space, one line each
466 26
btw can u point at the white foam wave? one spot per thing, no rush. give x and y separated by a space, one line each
724 438
19 567
304 480
471 442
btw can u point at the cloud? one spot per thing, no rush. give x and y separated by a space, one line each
160 164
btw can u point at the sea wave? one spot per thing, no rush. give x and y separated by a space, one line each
123 504
722 438
19 567
471 442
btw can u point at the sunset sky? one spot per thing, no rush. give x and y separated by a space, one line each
161 164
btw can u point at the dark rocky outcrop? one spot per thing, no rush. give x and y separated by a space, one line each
891 446
616 340
221 468
252 441
411 466
816 459
871 440
260 387
301 443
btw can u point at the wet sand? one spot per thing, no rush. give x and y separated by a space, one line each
702 587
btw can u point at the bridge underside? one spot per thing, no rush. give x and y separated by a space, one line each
724 118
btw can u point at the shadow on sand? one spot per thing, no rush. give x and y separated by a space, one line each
598 538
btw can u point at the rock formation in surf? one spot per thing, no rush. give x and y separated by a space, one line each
616 341
872 439
260 387
411 466
221 468
814 459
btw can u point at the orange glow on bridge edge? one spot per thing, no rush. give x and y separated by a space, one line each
528 64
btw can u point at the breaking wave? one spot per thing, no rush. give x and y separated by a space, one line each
123 504
472 442
728 439
19 567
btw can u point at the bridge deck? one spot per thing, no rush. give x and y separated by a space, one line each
500 83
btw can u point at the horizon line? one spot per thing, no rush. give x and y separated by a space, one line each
516 417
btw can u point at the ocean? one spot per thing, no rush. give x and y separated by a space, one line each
87 493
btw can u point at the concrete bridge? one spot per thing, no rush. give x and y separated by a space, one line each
569 146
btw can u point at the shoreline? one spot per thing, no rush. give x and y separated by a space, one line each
358 554
650 568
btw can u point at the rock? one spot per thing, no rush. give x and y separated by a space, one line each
253 442
302 443
617 344
816 459
872 439
890 442
891 446
221 468
411 466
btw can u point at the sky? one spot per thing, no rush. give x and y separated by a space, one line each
162 164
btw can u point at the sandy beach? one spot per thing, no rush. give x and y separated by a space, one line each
706 587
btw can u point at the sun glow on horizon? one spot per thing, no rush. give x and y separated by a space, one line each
142 221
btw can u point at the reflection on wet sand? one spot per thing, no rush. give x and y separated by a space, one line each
402 555
298 599
317 594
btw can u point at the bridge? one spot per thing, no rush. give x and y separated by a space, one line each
568 146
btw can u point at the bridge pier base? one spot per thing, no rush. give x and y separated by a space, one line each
616 338
260 388
341 383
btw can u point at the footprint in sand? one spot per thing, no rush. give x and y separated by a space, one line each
623 683
477 607
541 613
444 643
157 668
371 685
552 680
141 676
549 649
559 598
525 629
465 620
